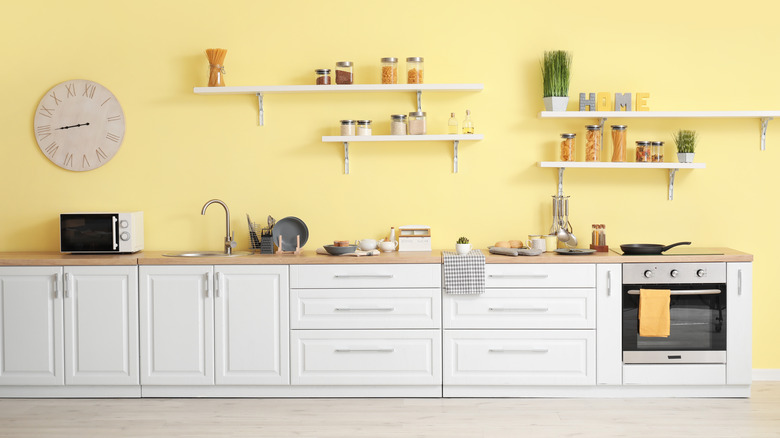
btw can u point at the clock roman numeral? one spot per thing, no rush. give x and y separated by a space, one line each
89 90
71 89
112 137
53 95
115 118
68 161
84 162
45 112
104 102
43 131
52 149
100 154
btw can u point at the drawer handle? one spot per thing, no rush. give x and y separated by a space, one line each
518 275
518 350
363 275
365 309
518 309
365 350
685 292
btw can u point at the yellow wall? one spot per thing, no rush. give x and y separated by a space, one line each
182 149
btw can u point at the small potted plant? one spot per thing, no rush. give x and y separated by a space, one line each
686 145
556 71
462 246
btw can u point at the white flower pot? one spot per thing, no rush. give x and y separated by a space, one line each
556 103
685 157
462 248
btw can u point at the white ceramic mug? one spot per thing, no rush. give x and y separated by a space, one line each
388 245
537 243
366 244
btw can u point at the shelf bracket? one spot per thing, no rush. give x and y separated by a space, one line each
259 109
346 158
764 124
560 180
602 121
672 172
419 101
455 156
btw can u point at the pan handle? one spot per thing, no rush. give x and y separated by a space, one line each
668 247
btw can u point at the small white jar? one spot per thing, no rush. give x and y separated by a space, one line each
398 124
417 124
347 127
364 127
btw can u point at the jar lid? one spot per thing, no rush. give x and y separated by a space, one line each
657 143
417 114
364 122
322 71
398 116
568 135
414 59
642 143
619 127
344 64
347 122
389 59
592 127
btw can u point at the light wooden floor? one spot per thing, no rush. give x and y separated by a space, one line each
758 416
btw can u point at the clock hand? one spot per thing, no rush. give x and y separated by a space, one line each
74 126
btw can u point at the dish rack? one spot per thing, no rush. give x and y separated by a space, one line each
263 240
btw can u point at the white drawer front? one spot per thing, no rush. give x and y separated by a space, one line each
522 308
519 357
540 275
377 357
674 374
365 308
364 276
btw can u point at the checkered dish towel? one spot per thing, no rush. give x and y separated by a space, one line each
464 274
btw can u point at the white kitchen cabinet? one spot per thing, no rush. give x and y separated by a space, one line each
347 276
739 334
609 341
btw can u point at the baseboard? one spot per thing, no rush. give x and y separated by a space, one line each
766 374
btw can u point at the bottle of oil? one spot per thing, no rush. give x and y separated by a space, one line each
468 125
452 124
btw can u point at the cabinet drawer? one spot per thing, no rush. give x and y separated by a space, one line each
365 308
540 275
364 276
674 374
522 308
377 357
519 357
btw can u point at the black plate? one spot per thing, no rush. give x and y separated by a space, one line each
575 251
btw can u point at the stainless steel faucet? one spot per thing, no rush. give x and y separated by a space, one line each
230 243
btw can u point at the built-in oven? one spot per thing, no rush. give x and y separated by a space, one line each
697 313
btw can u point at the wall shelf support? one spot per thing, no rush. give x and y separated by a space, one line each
419 101
259 109
764 124
560 180
455 156
672 173
346 158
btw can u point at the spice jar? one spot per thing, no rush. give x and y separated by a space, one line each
414 70
417 123
642 151
344 73
389 70
593 143
657 152
567 147
364 127
347 127
619 143
323 76
398 124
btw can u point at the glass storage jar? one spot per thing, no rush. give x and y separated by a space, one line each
416 122
567 147
347 127
593 143
619 143
657 152
344 73
398 124
389 70
364 127
323 76
642 151
414 70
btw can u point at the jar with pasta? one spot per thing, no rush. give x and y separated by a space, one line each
567 147
593 143
642 151
619 143
657 152
389 70
414 70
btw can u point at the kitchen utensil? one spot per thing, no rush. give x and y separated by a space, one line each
574 251
647 248
254 242
289 228
271 221
338 250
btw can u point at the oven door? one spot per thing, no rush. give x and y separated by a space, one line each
698 325
89 233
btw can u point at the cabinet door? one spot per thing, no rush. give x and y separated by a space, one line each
101 325
609 320
251 325
177 325
31 326
739 333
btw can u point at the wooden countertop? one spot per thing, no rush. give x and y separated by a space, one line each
311 258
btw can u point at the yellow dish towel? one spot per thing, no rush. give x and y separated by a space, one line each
654 313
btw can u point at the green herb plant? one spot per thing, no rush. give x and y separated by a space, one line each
686 141
556 72
462 240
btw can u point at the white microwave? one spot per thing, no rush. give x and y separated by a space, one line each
102 233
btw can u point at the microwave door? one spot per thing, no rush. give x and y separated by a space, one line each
89 233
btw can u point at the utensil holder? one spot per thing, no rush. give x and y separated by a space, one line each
600 248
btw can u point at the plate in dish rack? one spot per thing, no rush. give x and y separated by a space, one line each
574 251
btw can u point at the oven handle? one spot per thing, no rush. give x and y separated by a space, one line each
685 292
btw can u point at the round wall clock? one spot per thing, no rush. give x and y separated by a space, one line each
79 125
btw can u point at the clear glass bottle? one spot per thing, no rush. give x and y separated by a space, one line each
414 70
347 127
593 143
619 143
323 76
398 124
452 124
567 147
364 127
389 70
417 123
642 151
657 152
344 73
468 124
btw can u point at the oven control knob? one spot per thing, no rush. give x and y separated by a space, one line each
701 273
125 236
123 224
674 273
648 273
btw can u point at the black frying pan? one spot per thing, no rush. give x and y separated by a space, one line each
648 248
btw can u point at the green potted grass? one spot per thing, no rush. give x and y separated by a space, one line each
462 246
556 72
686 145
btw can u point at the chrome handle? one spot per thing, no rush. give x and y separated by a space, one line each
56 285
609 283
364 350
363 276
518 275
365 309
739 282
685 292
65 285
113 235
518 350
216 284
518 309
208 283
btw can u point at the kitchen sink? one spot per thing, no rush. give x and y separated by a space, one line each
206 254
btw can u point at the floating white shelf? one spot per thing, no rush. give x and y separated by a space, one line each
454 138
673 168
763 116
261 90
